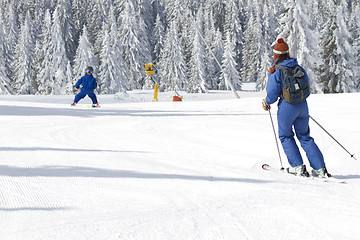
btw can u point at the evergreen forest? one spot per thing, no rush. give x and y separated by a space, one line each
197 46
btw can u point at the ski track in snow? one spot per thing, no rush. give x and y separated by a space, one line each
165 170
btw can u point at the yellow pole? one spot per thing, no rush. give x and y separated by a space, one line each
156 90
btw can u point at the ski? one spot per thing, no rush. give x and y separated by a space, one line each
269 168
93 106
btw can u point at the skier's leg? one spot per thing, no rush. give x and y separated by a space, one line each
286 118
93 97
313 152
79 96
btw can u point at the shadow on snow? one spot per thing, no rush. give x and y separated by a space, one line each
93 112
26 149
86 172
47 209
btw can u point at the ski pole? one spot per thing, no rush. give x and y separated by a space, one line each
177 94
352 155
277 145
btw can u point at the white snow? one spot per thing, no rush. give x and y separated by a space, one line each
137 169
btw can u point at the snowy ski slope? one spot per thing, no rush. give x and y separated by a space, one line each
136 169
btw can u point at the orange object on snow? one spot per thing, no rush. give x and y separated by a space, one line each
177 99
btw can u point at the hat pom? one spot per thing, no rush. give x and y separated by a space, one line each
280 40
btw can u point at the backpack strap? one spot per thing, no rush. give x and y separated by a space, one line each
280 67
284 67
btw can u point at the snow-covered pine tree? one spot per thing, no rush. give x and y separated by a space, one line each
69 78
43 59
24 59
175 12
12 36
106 78
216 58
84 56
21 9
214 49
68 27
197 71
60 59
79 18
145 11
5 87
347 81
345 6
355 31
111 75
38 16
158 37
94 19
218 9
158 8
120 68
119 6
300 18
136 46
99 41
51 60
172 62
105 8
253 37
229 72
297 31
187 35
269 25
317 15
233 26
354 28
40 8
330 54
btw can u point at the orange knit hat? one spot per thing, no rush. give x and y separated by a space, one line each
280 48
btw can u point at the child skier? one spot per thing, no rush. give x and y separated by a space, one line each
292 115
89 84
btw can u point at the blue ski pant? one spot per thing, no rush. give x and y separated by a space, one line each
83 94
297 116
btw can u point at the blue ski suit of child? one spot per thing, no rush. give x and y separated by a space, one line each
293 115
89 84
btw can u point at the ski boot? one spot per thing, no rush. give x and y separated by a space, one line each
298 171
95 105
73 104
320 173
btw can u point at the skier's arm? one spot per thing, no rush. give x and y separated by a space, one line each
273 87
78 83
306 76
95 83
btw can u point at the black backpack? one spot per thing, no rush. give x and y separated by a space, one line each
295 86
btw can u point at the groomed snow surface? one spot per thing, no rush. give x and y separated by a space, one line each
137 169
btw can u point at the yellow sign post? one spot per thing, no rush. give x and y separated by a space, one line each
156 90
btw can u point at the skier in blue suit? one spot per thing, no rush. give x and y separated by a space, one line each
292 115
89 84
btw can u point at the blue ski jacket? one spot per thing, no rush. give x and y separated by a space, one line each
88 82
274 84
293 116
